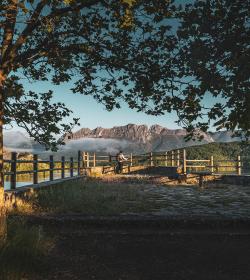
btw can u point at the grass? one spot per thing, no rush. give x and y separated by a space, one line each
22 247
22 250
91 197
106 196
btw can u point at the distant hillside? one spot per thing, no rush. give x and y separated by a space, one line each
220 151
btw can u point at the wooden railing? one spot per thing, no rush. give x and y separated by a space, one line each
216 166
175 158
49 166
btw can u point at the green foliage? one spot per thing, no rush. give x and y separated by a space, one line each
127 51
223 152
215 54
220 151
34 112
89 42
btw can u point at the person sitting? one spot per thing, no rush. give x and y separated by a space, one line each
120 158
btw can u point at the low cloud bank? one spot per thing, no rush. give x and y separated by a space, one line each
85 144
96 144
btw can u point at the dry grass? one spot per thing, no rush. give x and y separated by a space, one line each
2 215
92 197
107 195
22 250
111 195
22 247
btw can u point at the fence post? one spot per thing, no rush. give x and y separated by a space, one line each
35 169
131 160
184 162
83 159
63 167
110 159
13 171
166 158
71 167
51 168
151 159
178 158
212 164
129 168
79 163
87 159
239 165
172 158
94 160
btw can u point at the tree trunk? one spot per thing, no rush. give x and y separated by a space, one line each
2 201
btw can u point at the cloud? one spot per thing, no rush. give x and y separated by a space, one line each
96 144
17 141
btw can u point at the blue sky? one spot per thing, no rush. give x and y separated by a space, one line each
93 114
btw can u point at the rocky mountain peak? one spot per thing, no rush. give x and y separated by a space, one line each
130 138
131 132
156 129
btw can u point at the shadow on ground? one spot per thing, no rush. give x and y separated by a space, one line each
157 170
148 254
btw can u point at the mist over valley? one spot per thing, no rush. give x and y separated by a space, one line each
130 138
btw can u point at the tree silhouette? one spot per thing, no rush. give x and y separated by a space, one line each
215 54
151 54
101 45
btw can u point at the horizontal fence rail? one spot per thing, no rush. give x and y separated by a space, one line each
14 168
63 168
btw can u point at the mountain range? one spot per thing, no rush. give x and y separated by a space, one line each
141 138
130 138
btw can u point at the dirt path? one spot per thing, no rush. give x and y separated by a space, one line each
148 253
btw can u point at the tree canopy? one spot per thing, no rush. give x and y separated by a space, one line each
215 50
154 55
103 46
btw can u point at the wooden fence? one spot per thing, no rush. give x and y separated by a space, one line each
179 159
48 166
216 166
85 160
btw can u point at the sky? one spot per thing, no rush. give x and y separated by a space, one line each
93 114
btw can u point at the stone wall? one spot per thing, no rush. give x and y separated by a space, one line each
236 180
